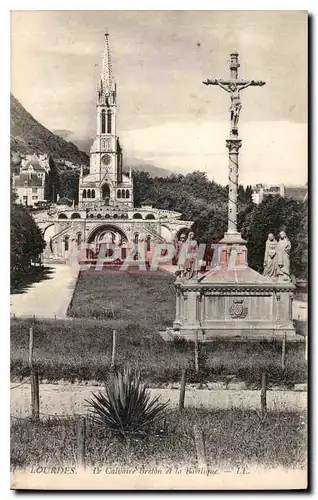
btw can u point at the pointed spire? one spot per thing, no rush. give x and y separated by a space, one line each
107 78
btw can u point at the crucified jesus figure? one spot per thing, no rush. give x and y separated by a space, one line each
234 89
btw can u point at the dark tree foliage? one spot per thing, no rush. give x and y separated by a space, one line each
273 215
26 243
194 196
205 203
68 185
51 187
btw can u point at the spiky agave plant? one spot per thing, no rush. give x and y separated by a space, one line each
126 405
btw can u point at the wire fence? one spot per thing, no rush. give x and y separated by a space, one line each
22 383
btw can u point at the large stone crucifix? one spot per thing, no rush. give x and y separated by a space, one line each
233 86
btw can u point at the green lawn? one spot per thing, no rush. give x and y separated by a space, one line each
80 349
146 299
232 438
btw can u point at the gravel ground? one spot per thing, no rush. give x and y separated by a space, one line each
47 298
68 399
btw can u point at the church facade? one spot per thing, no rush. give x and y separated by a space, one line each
105 210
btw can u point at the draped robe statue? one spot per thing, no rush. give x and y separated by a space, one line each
191 249
283 257
270 257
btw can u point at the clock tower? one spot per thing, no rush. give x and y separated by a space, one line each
106 183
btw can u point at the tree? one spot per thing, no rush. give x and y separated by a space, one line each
273 215
301 244
68 185
51 187
26 243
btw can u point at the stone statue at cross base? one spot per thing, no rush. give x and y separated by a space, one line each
189 251
270 257
283 257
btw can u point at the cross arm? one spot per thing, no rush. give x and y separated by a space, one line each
224 84
251 83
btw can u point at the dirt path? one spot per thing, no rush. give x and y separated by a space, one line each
47 298
68 399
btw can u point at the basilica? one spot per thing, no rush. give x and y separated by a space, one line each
106 208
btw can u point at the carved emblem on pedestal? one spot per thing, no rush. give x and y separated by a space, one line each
237 309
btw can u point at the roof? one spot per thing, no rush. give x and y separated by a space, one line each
107 78
35 163
64 201
239 276
242 278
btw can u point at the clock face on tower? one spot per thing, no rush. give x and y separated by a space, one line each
106 159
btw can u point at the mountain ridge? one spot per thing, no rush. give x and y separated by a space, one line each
29 136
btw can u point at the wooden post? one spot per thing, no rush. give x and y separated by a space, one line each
35 396
182 390
199 444
81 436
112 308
31 348
196 354
283 352
263 394
112 365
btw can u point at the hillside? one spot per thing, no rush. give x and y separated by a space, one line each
142 166
29 136
134 163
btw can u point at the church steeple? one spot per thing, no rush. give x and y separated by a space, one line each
107 86
106 182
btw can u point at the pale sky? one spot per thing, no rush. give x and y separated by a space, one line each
165 115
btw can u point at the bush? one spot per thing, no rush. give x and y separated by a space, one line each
126 406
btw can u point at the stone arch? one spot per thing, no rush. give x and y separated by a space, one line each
127 193
103 121
123 194
48 234
150 216
88 193
105 192
93 193
118 193
103 228
66 243
84 193
62 216
109 121
79 240
137 215
75 215
136 238
148 243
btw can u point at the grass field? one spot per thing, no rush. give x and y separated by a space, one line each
233 438
145 299
138 306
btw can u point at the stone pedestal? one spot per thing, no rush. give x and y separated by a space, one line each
233 303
